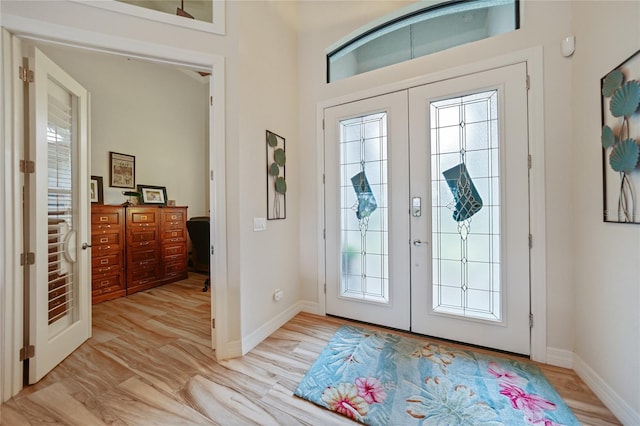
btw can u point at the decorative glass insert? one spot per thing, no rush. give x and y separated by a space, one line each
465 180
364 208
421 32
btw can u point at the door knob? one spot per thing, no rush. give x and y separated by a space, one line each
85 246
418 243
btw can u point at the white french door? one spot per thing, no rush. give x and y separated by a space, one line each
455 205
367 226
59 286
469 163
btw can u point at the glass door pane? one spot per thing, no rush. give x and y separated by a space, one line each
364 210
465 177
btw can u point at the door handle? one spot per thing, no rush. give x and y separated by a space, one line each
85 246
418 243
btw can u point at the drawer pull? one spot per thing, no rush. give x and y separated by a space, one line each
104 240
143 218
104 218
104 248
104 261
174 217
173 234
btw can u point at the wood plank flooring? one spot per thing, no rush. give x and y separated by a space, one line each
149 362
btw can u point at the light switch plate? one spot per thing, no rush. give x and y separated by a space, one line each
259 224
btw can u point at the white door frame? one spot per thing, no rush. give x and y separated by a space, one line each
534 60
11 297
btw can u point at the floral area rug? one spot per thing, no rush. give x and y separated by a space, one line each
381 378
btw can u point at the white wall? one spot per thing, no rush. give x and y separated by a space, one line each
607 256
155 112
268 95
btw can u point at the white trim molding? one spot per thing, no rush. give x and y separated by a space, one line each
560 357
623 411
217 26
265 330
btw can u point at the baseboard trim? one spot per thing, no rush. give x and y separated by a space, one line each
310 307
253 339
608 396
560 357
234 349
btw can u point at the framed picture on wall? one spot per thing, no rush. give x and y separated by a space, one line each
122 170
96 193
153 194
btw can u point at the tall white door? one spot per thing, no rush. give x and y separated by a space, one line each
469 165
57 206
367 226
427 228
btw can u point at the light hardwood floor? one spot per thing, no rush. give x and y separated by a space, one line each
149 362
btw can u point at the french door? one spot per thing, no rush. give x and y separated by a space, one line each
452 214
58 292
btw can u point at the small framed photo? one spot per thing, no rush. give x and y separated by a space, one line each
96 193
153 194
122 169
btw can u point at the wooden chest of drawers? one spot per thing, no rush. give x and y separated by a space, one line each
149 250
107 253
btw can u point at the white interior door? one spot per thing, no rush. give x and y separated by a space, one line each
469 166
59 286
367 226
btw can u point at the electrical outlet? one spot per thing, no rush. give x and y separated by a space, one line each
259 224
277 295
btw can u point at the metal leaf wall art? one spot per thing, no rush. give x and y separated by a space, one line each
619 139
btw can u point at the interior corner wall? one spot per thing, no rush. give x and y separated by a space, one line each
267 100
607 255
543 23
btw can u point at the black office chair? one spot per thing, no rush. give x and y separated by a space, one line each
198 228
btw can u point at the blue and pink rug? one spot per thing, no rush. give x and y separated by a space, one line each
381 378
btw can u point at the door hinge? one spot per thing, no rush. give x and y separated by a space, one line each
27 258
27 166
528 82
213 250
25 74
323 179
530 241
323 124
211 100
529 161
213 323
530 320
27 352
324 234
325 288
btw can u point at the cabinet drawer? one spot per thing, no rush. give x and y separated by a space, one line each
173 217
177 234
147 235
173 250
142 217
108 260
102 239
105 284
105 218
105 270
173 269
142 255
142 276
99 251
